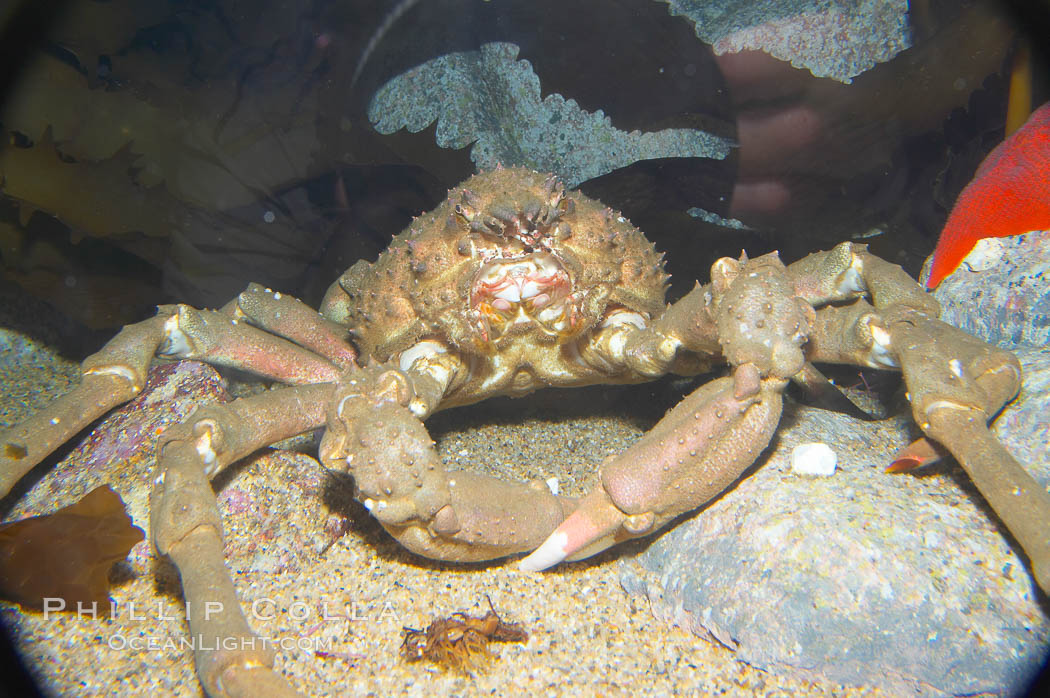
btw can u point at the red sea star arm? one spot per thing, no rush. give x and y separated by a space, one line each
1009 195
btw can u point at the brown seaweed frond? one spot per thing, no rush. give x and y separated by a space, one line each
460 642
66 554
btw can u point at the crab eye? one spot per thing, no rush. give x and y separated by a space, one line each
464 214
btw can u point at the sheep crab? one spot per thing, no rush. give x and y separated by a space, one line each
514 284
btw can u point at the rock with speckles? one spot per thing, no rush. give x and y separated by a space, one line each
838 39
511 122
1023 425
1008 302
869 578
862 577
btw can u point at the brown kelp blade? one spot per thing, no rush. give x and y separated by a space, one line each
66 554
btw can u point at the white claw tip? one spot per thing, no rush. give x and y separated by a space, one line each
550 553
552 485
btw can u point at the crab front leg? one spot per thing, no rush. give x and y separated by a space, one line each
708 440
186 526
375 432
956 382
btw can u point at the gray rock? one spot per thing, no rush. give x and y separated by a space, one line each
901 581
838 39
1006 298
1023 426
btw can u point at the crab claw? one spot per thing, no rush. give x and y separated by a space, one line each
374 435
697 450
596 519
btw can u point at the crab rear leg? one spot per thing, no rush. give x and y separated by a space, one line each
956 382
373 434
186 525
113 375
117 372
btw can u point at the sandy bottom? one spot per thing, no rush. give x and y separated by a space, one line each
334 591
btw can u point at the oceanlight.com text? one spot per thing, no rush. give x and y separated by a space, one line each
148 643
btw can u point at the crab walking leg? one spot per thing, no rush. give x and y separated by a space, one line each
186 526
218 339
853 334
956 383
114 374
461 516
697 450
848 271
1018 500
292 319
117 373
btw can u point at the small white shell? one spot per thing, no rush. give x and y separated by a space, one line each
552 484
813 459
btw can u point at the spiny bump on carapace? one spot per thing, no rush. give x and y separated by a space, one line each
470 198
503 212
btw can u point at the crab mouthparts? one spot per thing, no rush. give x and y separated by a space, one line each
531 290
